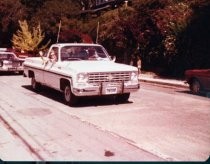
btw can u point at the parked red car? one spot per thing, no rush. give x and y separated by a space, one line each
9 62
198 80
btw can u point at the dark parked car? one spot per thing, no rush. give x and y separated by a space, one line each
9 62
198 80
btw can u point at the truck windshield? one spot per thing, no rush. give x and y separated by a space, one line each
83 53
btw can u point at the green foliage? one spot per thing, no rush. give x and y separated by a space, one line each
72 36
51 12
117 32
10 11
26 39
171 21
193 48
172 35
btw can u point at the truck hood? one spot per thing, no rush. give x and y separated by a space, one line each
98 66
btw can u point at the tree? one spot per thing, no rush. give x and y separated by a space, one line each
148 35
52 12
171 34
10 12
117 32
26 39
67 36
193 48
171 21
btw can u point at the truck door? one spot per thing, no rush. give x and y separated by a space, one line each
204 77
51 76
207 81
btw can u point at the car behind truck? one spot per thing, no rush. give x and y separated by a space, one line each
198 80
78 69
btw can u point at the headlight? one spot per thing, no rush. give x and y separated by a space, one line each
134 76
82 78
7 62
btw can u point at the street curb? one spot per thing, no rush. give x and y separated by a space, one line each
164 82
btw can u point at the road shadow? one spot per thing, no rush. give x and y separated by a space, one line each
82 101
201 94
11 74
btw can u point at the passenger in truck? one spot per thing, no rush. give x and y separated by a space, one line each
53 57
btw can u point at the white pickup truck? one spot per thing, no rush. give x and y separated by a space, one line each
78 69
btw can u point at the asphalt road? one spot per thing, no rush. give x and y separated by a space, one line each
158 123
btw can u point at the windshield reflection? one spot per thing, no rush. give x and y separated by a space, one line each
69 53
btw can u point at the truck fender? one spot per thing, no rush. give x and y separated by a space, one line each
31 73
64 82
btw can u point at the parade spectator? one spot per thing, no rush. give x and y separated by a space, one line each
139 64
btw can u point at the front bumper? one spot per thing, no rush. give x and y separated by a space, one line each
10 69
106 88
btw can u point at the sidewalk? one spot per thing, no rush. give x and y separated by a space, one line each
152 78
10 143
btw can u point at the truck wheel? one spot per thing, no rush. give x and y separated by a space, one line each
35 86
123 97
69 98
20 72
195 86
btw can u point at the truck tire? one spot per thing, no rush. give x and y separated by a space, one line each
69 97
35 85
195 86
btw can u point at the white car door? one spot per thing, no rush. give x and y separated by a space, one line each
51 74
51 69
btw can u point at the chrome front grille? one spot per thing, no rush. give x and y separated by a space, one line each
109 77
16 64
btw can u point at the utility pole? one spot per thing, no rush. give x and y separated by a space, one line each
97 32
59 29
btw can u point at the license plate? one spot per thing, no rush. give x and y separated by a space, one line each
12 69
111 90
